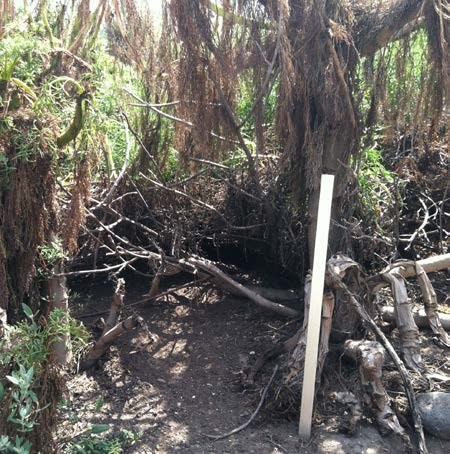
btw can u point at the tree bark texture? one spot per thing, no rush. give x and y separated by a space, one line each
59 299
370 357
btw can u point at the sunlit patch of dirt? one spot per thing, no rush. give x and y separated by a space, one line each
185 383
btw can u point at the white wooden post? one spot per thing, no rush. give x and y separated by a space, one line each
315 309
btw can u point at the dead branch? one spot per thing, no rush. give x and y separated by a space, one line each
147 299
254 414
108 198
422 225
80 61
223 280
421 319
98 270
106 340
407 269
173 118
429 265
116 306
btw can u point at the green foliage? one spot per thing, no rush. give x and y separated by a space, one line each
26 144
374 179
21 52
92 443
397 76
172 165
27 343
52 253
18 446
24 351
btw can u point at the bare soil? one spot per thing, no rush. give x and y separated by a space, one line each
181 380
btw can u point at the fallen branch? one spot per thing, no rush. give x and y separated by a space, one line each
420 317
407 268
253 416
106 340
223 280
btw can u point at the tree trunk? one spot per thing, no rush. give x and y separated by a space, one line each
57 291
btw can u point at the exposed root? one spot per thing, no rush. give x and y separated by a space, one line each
370 356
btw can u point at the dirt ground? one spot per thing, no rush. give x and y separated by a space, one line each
186 383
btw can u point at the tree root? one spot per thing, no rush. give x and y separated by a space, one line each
370 357
336 282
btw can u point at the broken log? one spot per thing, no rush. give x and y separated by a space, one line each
116 306
106 340
429 265
420 317
407 268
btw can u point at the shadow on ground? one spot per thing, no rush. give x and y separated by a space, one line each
185 383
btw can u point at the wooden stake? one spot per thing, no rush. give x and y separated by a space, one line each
315 310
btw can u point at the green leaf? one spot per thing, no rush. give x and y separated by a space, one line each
99 428
99 404
2 391
13 380
27 310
